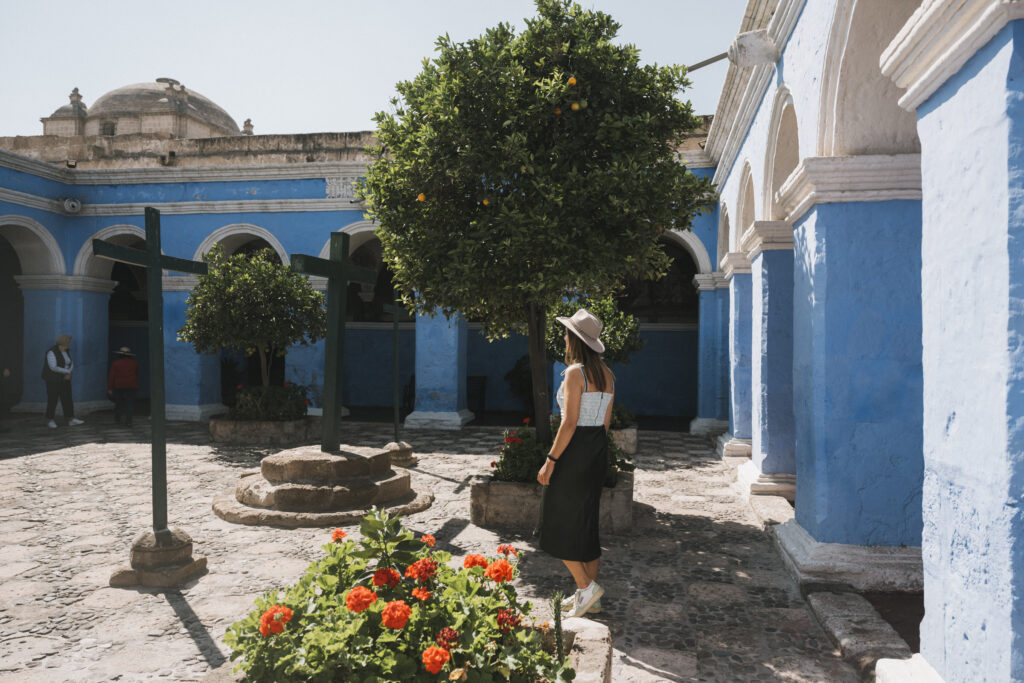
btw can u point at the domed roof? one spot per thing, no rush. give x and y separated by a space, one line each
147 98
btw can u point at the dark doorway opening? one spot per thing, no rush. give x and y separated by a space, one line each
12 317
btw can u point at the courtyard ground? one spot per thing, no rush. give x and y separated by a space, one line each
694 593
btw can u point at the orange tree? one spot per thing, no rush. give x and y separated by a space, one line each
517 168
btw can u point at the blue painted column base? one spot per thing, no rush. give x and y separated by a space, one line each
710 369
441 359
192 380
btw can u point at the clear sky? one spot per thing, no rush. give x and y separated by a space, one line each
299 66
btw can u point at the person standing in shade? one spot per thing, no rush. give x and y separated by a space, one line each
123 383
576 465
57 367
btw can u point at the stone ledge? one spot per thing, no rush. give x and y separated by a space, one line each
752 482
700 426
857 629
227 507
269 432
864 568
913 670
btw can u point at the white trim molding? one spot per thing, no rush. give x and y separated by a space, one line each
766 236
50 262
783 99
233 206
198 174
734 263
357 232
743 91
85 254
937 41
865 178
241 229
178 283
865 568
67 283
41 169
694 246
30 201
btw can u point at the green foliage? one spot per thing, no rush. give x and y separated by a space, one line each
620 334
518 379
522 456
622 417
287 402
253 305
326 641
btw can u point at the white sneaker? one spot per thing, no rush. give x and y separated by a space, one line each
75 421
569 603
595 608
51 424
586 599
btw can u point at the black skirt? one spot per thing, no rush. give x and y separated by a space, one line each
572 502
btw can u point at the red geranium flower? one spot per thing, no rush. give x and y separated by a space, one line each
274 619
338 534
359 598
494 463
507 549
396 614
526 420
508 620
421 594
499 571
434 659
474 561
429 540
447 638
388 577
422 570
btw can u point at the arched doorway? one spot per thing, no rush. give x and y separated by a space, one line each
12 313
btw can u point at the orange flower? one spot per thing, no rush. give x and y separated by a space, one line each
359 598
396 614
506 549
429 540
274 619
420 594
572 80
499 571
558 112
422 570
388 577
421 197
474 561
575 106
338 534
434 658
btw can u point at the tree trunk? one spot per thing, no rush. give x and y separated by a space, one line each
537 324
264 368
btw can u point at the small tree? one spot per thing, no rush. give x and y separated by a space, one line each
254 305
620 333
517 168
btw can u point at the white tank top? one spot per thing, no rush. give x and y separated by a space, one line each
593 404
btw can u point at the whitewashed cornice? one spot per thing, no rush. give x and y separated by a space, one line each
72 283
235 206
30 201
178 283
734 263
938 39
705 282
38 168
742 94
865 178
766 236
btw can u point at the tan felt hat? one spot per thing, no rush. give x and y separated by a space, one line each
586 326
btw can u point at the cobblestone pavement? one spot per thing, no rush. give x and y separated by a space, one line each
696 592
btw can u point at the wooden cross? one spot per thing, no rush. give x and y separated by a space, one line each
339 271
394 309
155 263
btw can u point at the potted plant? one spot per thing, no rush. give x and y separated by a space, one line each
254 305
390 607
623 429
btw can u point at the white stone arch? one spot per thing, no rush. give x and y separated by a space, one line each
723 234
86 263
235 235
359 234
782 155
692 244
745 209
858 111
37 250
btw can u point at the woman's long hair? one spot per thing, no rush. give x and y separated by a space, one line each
578 352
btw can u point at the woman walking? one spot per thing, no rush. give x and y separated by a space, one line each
576 465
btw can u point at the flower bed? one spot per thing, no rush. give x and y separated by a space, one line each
390 608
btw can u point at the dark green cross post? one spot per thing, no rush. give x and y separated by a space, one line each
155 263
339 271
394 309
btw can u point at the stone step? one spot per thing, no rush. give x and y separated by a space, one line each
309 465
256 491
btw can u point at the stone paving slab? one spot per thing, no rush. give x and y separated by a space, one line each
695 592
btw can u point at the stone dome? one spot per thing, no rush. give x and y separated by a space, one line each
167 96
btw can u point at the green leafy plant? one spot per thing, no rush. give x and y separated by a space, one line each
389 608
517 167
251 303
288 402
622 417
522 455
620 332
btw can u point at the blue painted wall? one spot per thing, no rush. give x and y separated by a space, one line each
857 372
972 140
739 356
441 355
493 360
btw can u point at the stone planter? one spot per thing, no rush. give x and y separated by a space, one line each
264 432
516 505
625 439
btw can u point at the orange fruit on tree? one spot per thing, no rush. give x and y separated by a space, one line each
486 202
558 111
572 80
421 197
575 106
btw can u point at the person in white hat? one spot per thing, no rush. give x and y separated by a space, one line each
575 468
122 384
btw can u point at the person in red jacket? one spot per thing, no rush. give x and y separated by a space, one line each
122 383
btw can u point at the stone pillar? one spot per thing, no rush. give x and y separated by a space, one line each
736 268
772 469
722 317
74 305
710 418
968 89
441 352
192 380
